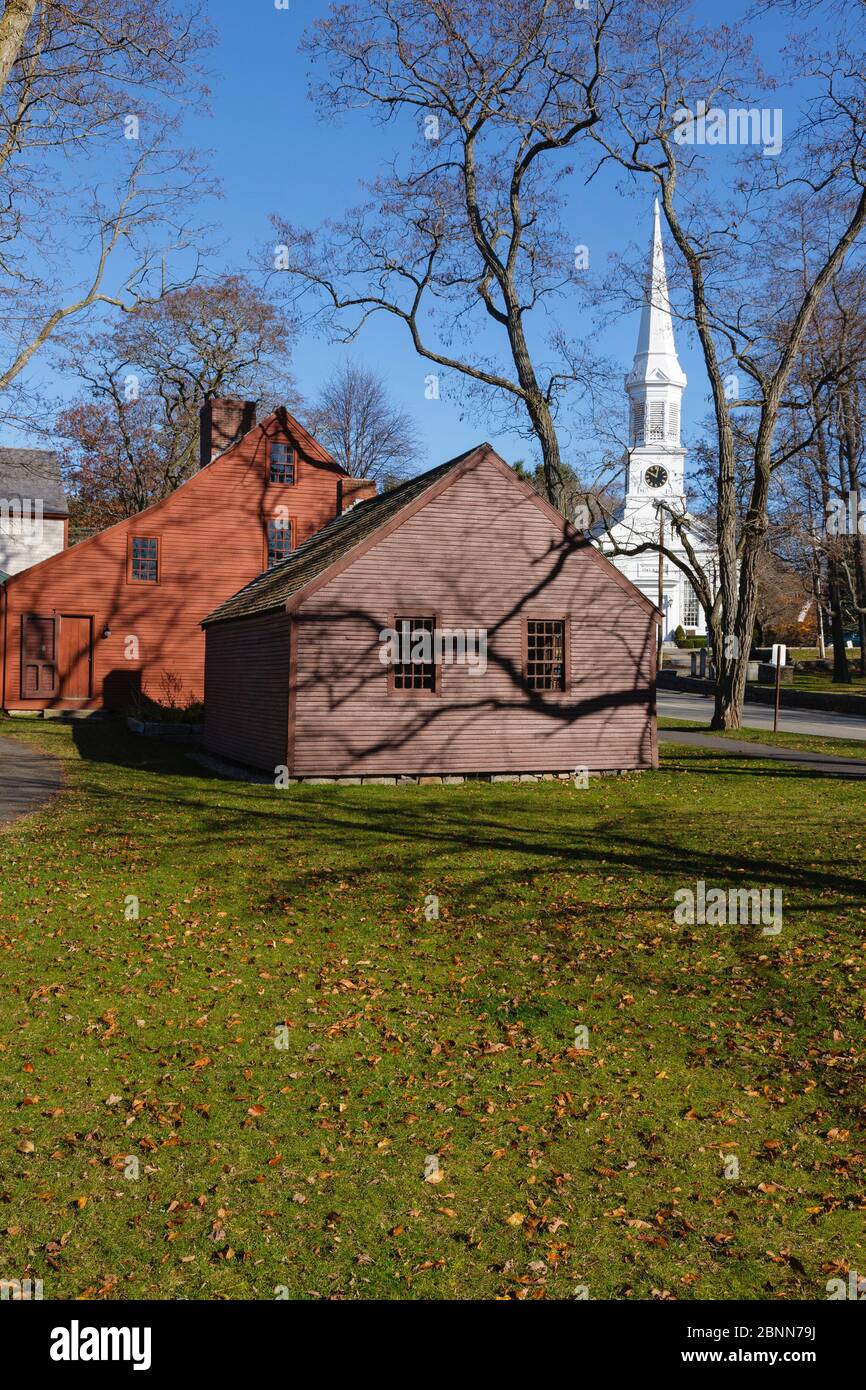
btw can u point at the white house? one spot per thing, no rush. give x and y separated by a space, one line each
34 517
655 463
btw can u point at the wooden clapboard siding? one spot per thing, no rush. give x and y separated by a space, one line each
247 669
211 533
482 553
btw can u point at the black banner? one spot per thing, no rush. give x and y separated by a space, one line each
84 1340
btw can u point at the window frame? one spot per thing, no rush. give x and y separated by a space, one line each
130 577
394 620
548 617
291 527
281 482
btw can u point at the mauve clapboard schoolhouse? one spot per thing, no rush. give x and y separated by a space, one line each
526 650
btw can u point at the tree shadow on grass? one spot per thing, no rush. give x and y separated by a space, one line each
459 822
602 865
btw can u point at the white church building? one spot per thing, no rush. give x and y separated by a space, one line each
655 464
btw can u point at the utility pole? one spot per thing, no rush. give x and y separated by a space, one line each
661 584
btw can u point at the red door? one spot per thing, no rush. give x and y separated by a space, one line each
73 657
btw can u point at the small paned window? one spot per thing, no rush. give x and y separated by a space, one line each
418 670
144 560
545 654
279 542
282 463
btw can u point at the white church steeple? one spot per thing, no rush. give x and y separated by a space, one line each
655 388
656 467
656 351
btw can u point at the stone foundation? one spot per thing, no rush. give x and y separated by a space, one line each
239 773
451 779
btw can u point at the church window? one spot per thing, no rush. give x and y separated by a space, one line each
637 416
691 607
674 423
656 421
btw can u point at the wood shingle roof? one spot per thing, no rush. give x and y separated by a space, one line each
273 589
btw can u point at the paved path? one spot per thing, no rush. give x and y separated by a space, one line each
826 764
672 705
27 779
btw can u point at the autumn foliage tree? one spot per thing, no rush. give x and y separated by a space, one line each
131 437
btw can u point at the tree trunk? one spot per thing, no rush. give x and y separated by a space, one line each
841 671
859 547
14 24
732 665
545 430
851 442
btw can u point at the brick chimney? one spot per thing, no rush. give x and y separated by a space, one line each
352 490
222 423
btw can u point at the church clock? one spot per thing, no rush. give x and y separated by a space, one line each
656 476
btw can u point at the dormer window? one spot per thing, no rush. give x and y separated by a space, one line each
282 463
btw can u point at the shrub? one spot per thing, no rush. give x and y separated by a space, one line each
174 707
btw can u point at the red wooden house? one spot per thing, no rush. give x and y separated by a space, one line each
301 673
94 624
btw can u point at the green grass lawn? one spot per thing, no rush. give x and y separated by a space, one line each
813 654
262 1169
823 681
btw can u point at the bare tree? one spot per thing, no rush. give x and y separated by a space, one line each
355 420
95 183
465 244
822 485
132 437
741 277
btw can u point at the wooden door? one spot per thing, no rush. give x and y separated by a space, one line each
38 657
73 657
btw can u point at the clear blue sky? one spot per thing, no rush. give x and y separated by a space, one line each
273 154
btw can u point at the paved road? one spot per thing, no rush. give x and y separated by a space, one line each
672 705
27 779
